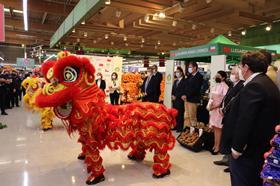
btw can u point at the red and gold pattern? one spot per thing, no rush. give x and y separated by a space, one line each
129 87
33 88
80 104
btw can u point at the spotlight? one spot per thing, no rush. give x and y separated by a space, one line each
126 44
243 32
229 33
22 45
193 26
141 45
174 44
156 47
146 18
78 40
143 40
161 15
83 23
106 36
94 41
73 31
125 38
107 2
268 28
112 42
85 34
158 42
174 23
212 30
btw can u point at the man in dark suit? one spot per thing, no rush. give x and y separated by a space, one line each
233 91
178 103
100 82
158 79
149 87
192 93
254 114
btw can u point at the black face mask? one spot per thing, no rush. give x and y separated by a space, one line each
218 80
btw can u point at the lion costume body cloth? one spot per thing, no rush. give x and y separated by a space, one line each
33 88
77 100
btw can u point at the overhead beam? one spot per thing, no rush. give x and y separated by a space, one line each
32 25
82 11
40 6
256 17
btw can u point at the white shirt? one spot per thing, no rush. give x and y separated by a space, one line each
99 83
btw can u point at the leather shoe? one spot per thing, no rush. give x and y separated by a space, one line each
227 170
4 113
221 163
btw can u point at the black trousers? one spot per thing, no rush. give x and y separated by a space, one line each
180 107
2 100
114 98
14 99
245 171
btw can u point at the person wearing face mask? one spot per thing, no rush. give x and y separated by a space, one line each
149 87
237 85
255 112
217 95
177 102
114 89
100 82
192 94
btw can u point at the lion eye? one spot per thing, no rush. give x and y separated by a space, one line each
70 74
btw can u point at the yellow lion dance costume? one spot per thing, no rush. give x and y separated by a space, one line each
33 88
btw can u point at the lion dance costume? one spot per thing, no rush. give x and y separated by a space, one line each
77 100
33 88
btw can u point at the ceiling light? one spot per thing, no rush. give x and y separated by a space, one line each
83 23
85 34
143 40
25 19
22 45
6 10
268 28
141 45
158 42
243 32
162 53
118 13
174 23
18 11
106 36
146 18
73 31
125 38
229 33
94 41
112 42
161 15
193 26
107 2
126 44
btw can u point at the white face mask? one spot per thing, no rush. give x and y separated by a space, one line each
178 74
233 78
190 70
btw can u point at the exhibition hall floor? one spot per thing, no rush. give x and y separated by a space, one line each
29 156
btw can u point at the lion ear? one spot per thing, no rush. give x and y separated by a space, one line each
89 79
46 67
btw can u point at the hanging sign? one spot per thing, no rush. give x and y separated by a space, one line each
2 24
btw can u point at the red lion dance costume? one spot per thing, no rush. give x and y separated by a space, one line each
77 100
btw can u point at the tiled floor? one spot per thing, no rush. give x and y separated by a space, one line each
29 156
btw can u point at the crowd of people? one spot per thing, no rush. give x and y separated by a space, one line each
243 108
243 113
10 88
